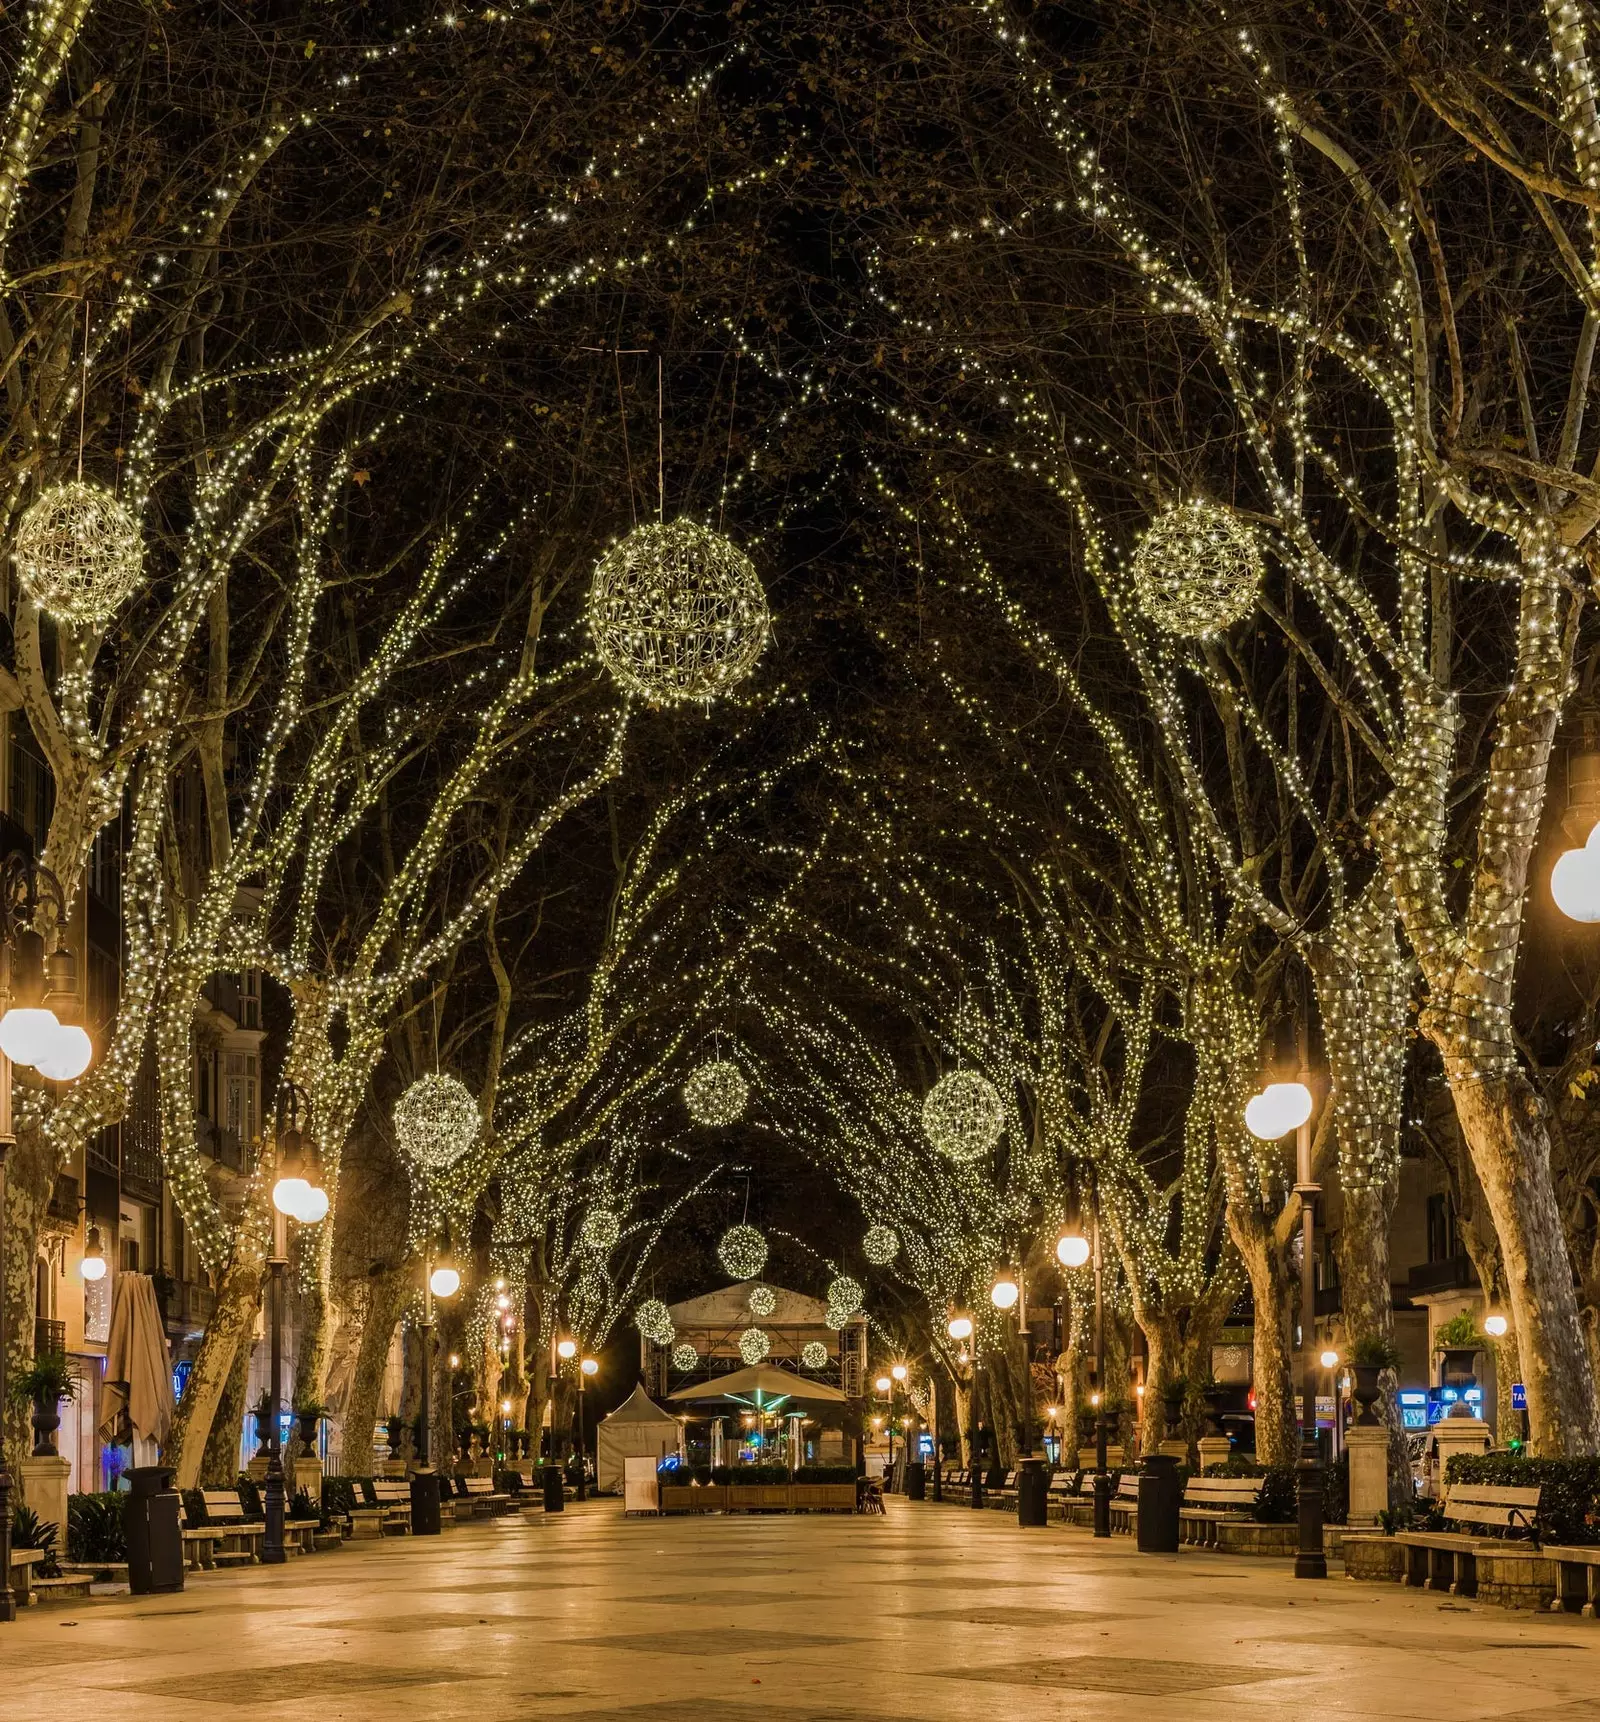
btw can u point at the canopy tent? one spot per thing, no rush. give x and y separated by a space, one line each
762 1386
137 1396
637 1429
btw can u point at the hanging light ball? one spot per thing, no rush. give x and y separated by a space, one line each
685 1358
753 1345
814 1354
743 1252
1197 570
763 1300
78 553
880 1245
716 1093
436 1121
677 613
836 1318
600 1231
963 1116
654 1320
845 1294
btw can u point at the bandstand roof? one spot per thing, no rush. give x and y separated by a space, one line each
765 1380
730 1308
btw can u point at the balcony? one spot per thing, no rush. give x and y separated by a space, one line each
1455 1273
49 1337
64 1200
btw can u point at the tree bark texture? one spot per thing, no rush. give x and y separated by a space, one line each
386 1296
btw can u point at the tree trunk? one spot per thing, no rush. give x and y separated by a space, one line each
1367 1302
219 1466
1505 1133
30 1177
1276 1440
386 1295
226 1333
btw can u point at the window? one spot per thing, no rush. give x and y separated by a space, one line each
240 1114
1443 1244
250 998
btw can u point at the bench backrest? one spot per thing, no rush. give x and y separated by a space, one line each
1480 1504
480 1485
1061 1483
1128 1487
390 1491
223 1506
1236 1492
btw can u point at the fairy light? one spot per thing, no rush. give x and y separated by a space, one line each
963 1116
716 1093
742 1250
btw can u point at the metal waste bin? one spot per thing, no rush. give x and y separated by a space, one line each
425 1503
555 1487
151 1530
1033 1492
1159 1499
916 1481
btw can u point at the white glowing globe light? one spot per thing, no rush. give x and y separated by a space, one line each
589 1366
290 1195
1496 1326
1574 883
444 1281
28 1034
93 1267
1330 1360
960 1327
565 1349
882 1384
1279 1108
1072 1251
68 1056
1003 1294
314 1206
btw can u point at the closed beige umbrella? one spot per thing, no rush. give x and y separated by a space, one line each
137 1394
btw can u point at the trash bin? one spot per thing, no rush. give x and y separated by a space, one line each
1033 1492
425 1503
150 1528
555 1497
1159 1498
916 1481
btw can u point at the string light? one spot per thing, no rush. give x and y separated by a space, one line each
1197 570
436 1121
880 1245
754 1345
78 553
963 1116
716 1093
742 1251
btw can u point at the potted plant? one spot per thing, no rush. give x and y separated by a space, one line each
1213 1392
1172 1398
394 1429
1459 1342
1369 1358
308 1416
44 1384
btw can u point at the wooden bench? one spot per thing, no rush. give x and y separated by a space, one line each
1125 1504
1207 1501
1004 1493
1448 1560
486 1500
393 1495
240 1539
1577 1578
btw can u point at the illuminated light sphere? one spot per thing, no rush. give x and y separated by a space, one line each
289 1196
654 1320
1005 1291
677 613
959 1327
68 1055
845 1294
836 1318
93 1265
1330 1359
880 1245
28 1033
685 1357
590 1366
1279 1108
763 1300
814 1354
78 553
601 1229
963 1116
1072 1250
436 1121
743 1252
716 1093
882 1384
444 1281
566 1349
314 1206
1197 570
754 1345
1575 883
1496 1326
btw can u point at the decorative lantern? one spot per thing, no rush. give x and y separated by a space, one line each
436 1121
880 1245
962 1115
685 1358
78 553
814 1354
753 1345
845 1294
654 1320
1197 570
716 1093
763 1300
600 1231
743 1252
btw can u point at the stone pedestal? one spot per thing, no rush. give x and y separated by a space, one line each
44 1488
1115 1457
307 1479
1215 1450
1368 1447
256 1470
1178 1450
1459 1435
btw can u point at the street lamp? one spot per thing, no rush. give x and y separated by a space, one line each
1072 1248
439 1280
296 1195
93 1265
1496 1326
589 1366
1279 1108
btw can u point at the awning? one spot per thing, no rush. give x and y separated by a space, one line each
761 1386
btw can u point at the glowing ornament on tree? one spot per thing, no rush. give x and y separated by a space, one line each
677 613
601 1229
880 1245
753 1345
1197 570
814 1354
716 1093
845 1294
743 1252
78 553
962 1115
763 1300
654 1320
436 1121
685 1358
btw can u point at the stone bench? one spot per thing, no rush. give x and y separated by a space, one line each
1577 1568
1124 1505
23 1561
486 1501
1495 1568
238 1537
1002 1494
393 1497
1209 1502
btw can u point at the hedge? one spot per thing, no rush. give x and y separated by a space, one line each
753 1474
94 1528
1569 1505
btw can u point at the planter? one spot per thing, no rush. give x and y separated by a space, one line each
823 1497
1213 1397
1457 1372
46 1419
306 1422
693 1498
1366 1390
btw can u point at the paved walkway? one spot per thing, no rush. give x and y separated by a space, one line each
934 1612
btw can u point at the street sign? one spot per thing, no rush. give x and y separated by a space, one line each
1519 1396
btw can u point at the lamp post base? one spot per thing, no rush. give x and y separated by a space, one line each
1310 1561
1102 1503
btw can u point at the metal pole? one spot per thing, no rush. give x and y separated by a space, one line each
933 1417
583 1493
1102 1477
272 1552
424 1484
1310 1561
1027 1366
8 1599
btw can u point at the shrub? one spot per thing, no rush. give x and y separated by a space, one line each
1278 1502
1460 1330
29 1531
1336 1491
48 1378
249 1497
1375 1352
1569 1504
825 1474
338 1496
671 1472
94 1529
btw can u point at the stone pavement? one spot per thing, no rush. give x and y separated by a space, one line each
934 1612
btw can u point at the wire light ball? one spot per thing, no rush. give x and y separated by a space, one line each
600 1231
845 1294
436 1121
677 613
814 1354
1197 570
763 1300
836 1317
753 1345
716 1093
78 553
743 1252
654 1320
685 1357
962 1115
880 1245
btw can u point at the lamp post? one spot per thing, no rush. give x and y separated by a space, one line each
960 1329
589 1366
296 1195
441 1280
38 998
1279 1108
886 1387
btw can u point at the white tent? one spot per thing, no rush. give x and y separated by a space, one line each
637 1429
